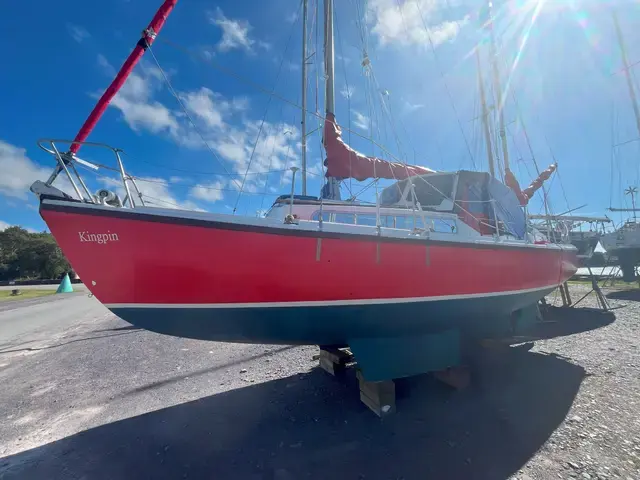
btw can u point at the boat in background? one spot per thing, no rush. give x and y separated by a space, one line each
440 257
624 243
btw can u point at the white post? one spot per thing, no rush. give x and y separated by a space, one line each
293 187
329 97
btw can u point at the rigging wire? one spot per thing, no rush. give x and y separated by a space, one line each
349 94
182 170
545 190
258 87
273 149
319 117
613 154
264 116
444 80
185 111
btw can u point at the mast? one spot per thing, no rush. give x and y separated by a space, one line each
329 98
304 97
485 116
148 36
627 72
498 88
331 189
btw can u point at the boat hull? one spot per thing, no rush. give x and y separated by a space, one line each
197 276
625 245
333 324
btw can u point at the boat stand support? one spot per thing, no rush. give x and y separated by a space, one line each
380 361
380 396
334 359
564 293
595 288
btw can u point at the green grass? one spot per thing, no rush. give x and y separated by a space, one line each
6 294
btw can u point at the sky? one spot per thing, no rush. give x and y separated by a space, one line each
210 118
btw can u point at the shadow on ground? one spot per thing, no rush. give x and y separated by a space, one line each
314 426
632 295
563 321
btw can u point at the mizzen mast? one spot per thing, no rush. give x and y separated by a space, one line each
498 88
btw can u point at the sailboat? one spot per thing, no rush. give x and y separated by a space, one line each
441 255
624 243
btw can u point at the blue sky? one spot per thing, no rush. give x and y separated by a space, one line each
559 60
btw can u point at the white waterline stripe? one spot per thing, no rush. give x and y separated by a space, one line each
327 303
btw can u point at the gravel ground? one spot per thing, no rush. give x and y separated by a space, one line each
100 399
600 437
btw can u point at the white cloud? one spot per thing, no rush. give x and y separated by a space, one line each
105 65
232 139
5 225
209 192
291 18
135 102
201 104
78 33
289 65
412 107
405 23
264 45
155 192
18 171
153 116
347 92
361 121
235 33
343 59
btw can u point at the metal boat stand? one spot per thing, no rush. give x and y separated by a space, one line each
601 299
595 288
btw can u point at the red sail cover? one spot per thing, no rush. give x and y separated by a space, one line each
525 195
148 36
344 162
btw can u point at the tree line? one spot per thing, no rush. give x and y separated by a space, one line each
28 256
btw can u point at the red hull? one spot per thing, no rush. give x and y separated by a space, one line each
163 260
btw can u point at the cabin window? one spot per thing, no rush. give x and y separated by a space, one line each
404 222
387 221
434 224
364 219
444 226
316 216
349 218
432 190
391 195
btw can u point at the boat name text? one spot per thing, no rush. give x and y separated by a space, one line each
100 238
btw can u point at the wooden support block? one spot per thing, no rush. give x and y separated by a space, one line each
333 360
380 397
456 377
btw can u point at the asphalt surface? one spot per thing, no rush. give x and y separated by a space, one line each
77 287
85 395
